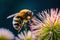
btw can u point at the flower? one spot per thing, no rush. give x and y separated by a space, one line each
6 34
25 35
48 27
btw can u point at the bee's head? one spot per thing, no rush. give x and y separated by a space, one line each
26 14
29 15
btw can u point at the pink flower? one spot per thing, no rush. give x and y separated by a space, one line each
25 35
4 33
49 23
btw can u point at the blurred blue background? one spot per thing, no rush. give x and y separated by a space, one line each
8 7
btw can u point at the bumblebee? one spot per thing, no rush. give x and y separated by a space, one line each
21 18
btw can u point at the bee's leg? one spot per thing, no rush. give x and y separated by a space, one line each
34 21
18 31
25 27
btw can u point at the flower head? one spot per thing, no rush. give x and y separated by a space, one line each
25 35
6 34
49 26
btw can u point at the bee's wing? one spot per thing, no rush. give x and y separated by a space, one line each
11 15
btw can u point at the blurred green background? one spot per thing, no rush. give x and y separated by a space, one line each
8 7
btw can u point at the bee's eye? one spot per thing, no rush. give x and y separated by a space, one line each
30 13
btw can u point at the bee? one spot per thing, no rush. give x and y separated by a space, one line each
21 18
